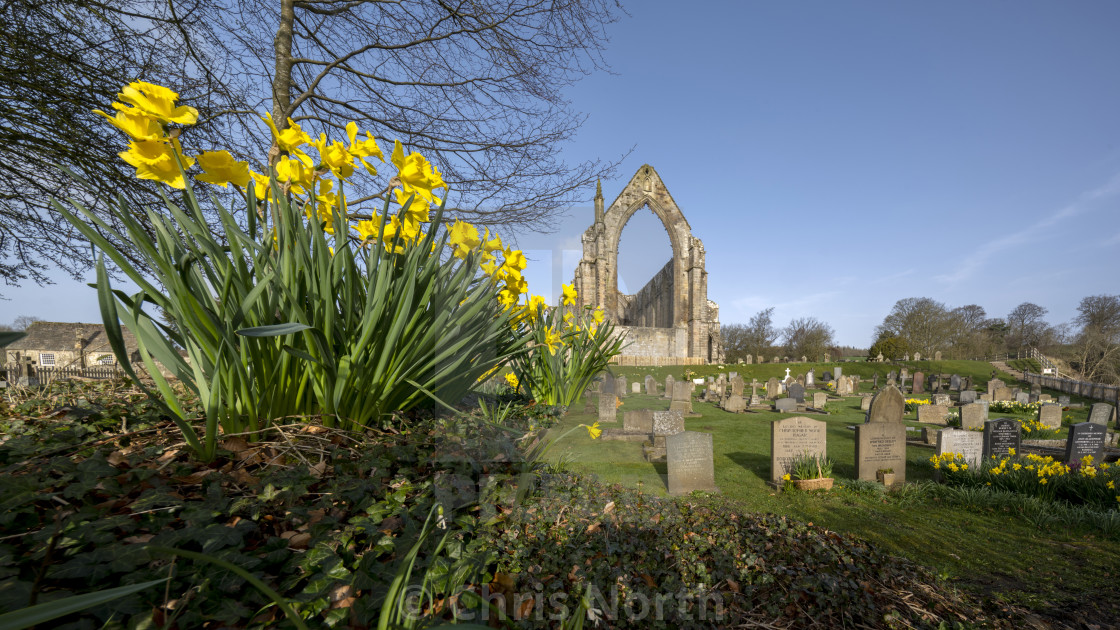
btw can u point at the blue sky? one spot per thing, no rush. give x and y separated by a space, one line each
835 157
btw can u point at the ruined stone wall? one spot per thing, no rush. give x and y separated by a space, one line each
654 342
652 305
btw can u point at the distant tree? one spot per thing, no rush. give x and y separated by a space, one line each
734 342
1026 327
892 346
761 333
23 321
808 337
923 323
967 335
1101 313
1094 351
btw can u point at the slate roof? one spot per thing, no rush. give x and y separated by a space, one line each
60 337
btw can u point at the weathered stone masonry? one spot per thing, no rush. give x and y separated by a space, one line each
670 317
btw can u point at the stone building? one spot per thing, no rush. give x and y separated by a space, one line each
66 345
670 320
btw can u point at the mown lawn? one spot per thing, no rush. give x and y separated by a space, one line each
997 553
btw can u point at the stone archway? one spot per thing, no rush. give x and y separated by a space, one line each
670 317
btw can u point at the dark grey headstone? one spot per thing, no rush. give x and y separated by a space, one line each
797 392
1000 435
955 383
1063 401
1085 438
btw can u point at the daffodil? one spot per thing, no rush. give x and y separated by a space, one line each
290 140
511 379
135 124
220 168
463 238
262 187
416 174
553 340
594 431
155 102
301 177
335 157
156 160
569 294
362 149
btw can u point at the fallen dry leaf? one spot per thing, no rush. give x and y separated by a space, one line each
116 458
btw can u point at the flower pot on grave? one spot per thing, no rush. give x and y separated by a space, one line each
823 483
885 478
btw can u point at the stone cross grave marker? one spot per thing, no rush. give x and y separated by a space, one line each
1085 438
1000 436
934 414
879 446
791 437
887 406
973 416
754 388
797 392
1050 416
689 461
1100 413
785 405
970 444
919 383
819 400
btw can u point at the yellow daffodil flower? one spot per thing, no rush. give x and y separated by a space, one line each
552 339
135 124
335 157
511 378
155 102
569 294
463 238
295 172
290 140
416 174
597 316
156 160
594 431
221 169
362 149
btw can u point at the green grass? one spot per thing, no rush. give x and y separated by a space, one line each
995 550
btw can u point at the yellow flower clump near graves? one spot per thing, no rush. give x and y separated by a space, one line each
145 112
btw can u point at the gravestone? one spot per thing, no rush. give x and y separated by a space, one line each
881 445
773 389
875 381
797 392
887 406
1063 401
638 421
651 386
865 402
843 386
985 397
777 359
1085 438
941 399
620 387
1023 398
735 404
819 400
1000 436
836 372
917 356
731 375
973 416
667 423
970 444
748 359
1045 398
635 388
1001 394
682 397
607 386
919 383
966 383
608 408
955 383
1036 390
1050 416
937 356
906 357
892 376
968 396
992 385
811 379
1100 413
689 461
791 437
785 405
933 414
669 382
826 377
737 385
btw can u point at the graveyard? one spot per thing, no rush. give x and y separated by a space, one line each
1046 557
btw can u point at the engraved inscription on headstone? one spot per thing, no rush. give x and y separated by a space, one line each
1085 438
970 444
792 437
689 461
1000 436
880 446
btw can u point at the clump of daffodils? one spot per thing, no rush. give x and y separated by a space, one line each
147 112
